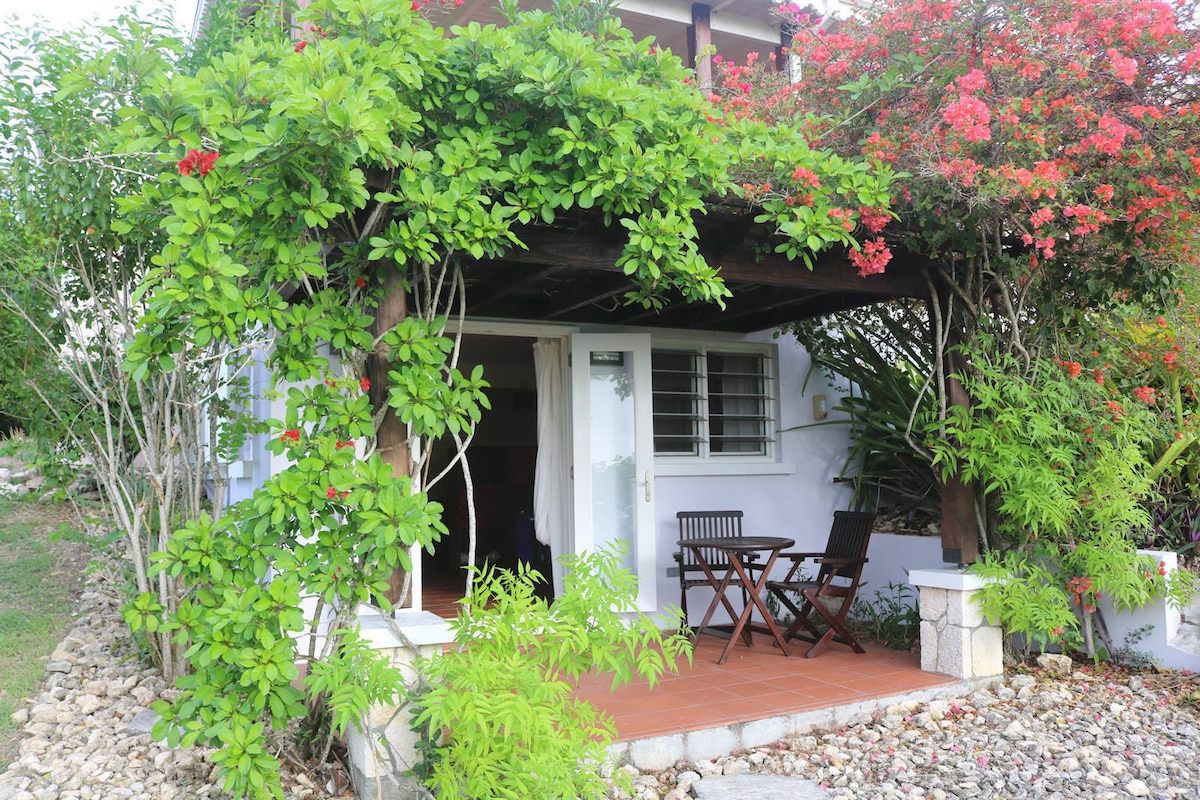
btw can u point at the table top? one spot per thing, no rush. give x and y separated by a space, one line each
739 543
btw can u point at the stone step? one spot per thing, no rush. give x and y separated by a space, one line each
757 787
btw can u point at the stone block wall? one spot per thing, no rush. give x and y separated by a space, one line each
955 638
380 756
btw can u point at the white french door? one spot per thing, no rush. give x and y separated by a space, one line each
613 461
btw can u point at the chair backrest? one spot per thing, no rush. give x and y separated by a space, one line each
848 538
702 525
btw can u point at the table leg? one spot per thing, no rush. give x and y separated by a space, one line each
719 598
760 602
756 601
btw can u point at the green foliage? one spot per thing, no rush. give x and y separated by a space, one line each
889 406
505 720
1055 453
299 185
1062 467
1027 596
891 618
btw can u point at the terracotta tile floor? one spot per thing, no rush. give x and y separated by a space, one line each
754 683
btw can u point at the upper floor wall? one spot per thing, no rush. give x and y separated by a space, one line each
696 32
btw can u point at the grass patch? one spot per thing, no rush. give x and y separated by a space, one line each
40 576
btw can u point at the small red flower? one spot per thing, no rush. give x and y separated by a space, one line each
198 161
1162 568
300 45
347 443
365 383
331 492
1144 393
360 282
1073 368
292 435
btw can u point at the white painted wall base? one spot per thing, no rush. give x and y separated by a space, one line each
1163 642
891 557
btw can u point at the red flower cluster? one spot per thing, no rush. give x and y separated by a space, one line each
347 443
872 259
1144 393
1080 587
201 161
292 435
1073 368
365 384
971 117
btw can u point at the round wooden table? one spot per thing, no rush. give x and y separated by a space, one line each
738 549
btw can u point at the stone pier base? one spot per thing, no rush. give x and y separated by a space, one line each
381 756
955 638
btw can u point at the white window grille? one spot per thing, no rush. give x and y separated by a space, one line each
712 403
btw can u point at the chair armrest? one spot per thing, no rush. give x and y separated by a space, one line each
842 562
800 556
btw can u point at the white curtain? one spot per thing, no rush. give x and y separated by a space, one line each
551 485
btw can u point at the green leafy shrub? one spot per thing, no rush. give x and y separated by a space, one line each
892 619
888 406
1061 463
500 706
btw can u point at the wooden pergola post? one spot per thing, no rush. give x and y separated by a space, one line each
699 38
960 525
783 58
391 440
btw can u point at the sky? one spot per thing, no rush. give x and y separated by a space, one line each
65 13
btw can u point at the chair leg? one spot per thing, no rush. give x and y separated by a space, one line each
683 605
836 630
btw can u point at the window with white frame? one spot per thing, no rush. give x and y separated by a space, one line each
712 402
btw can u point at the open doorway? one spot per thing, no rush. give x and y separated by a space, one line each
502 460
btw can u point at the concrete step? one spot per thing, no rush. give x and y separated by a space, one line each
757 787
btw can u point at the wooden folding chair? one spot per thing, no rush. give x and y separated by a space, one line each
702 525
832 592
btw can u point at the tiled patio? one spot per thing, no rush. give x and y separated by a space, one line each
755 683
758 695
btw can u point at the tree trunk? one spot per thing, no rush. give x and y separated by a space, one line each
391 438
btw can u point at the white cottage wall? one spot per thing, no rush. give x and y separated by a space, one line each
794 497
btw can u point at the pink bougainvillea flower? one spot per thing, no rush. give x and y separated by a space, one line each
872 259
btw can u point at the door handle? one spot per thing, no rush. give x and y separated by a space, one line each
647 487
